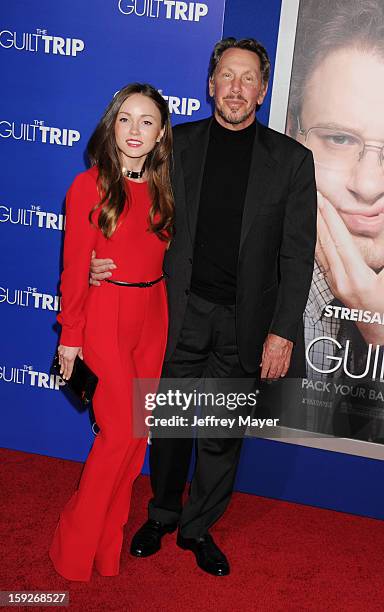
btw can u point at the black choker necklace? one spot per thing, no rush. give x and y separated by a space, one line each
132 174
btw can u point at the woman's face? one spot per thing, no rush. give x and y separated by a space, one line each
137 129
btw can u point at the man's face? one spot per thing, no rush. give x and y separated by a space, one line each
237 88
346 94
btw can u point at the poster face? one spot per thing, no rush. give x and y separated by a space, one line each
333 104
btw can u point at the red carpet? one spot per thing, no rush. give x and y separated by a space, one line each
283 556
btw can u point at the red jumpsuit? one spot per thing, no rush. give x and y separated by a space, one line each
123 333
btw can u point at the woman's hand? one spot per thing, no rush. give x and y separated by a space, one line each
67 356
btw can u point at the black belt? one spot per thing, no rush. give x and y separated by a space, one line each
141 285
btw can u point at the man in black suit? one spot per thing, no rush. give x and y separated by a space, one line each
239 272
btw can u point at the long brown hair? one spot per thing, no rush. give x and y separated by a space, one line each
113 187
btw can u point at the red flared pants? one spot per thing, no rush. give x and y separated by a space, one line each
125 338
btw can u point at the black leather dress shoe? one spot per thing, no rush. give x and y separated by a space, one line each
147 540
208 555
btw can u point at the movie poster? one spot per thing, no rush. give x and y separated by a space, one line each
333 104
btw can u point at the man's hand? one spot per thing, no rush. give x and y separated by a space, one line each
351 280
67 356
100 270
276 356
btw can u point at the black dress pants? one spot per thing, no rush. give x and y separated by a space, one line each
207 348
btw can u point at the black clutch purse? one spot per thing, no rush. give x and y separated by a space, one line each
83 381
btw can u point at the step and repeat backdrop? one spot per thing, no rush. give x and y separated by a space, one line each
61 64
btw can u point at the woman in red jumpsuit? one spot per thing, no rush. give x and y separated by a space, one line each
123 209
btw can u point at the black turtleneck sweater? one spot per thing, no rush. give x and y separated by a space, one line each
220 212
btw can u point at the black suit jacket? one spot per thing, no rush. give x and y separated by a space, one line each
277 242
